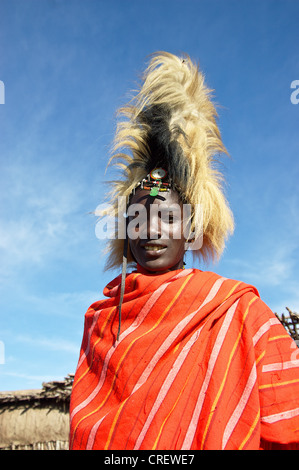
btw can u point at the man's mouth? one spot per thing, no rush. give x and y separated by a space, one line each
154 247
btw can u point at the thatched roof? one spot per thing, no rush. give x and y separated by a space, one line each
36 419
58 391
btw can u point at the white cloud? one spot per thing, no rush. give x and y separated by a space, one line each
61 304
48 343
274 267
37 380
41 217
289 298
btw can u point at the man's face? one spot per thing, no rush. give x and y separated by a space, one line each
155 230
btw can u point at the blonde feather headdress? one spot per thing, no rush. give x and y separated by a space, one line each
171 123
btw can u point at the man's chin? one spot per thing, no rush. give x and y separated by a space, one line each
159 267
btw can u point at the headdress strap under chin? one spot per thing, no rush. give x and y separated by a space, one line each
123 280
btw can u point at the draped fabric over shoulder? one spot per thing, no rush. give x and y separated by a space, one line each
201 363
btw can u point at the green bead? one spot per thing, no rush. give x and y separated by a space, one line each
154 191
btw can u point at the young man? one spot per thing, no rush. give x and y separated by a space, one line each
179 358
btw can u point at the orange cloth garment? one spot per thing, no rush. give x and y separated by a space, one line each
201 363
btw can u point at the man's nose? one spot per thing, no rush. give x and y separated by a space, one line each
153 226
150 228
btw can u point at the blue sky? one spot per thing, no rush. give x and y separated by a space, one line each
67 65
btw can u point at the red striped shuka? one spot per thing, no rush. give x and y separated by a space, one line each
201 363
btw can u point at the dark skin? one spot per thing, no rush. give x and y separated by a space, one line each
160 244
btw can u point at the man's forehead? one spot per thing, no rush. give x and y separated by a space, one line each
166 198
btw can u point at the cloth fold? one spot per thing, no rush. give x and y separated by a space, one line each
201 363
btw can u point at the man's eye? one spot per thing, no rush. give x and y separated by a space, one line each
169 217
